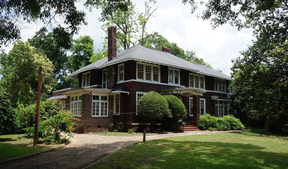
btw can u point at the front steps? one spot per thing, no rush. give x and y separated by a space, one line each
189 127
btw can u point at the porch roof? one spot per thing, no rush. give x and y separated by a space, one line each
184 91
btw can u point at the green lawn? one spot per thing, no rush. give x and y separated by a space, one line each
19 147
223 151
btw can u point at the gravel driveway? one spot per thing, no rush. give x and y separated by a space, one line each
85 149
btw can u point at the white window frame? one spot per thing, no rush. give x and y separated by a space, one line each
224 106
100 101
152 72
190 113
104 84
199 82
86 79
119 66
114 112
204 106
139 99
219 84
173 69
76 106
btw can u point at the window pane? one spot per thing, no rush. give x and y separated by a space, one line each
103 97
88 79
196 81
155 74
140 71
95 97
176 76
93 108
170 76
191 81
202 82
148 72
191 106
97 108
121 73
117 104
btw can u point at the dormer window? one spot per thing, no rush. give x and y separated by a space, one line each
120 72
174 76
196 81
86 79
104 78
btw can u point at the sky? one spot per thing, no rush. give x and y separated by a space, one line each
174 21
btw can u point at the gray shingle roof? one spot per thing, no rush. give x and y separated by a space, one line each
143 54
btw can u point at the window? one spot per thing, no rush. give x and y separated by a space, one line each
120 72
99 106
174 76
220 85
117 104
76 105
196 81
190 106
221 108
138 97
86 79
202 106
104 78
148 72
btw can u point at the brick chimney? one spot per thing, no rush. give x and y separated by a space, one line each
112 44
166 49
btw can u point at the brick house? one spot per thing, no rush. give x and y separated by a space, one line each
109 89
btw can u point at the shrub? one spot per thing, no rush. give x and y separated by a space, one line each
7 115
50 130
178 110
234 123
206 121
120 126
153 106
26 115
111 127
130 131
222 124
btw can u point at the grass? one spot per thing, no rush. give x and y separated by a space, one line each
214 151
20 147
108 133
262 133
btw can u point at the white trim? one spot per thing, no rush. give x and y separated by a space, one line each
104 71
220 83
224 106
212 91
62 90
152 72
100 101
87 87
118 78
173 76
88 80
77 103
137 99
114 109
143 81
116 92
204 106
199 82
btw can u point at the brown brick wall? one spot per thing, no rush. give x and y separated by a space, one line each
112 43
129 70
111 76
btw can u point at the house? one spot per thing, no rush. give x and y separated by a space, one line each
109 89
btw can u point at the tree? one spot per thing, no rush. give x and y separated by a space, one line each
237 13
153 106
7 114
48 12
20 69
178 110
46 42
82 51
157 41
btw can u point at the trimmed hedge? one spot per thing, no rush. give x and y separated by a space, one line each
220 123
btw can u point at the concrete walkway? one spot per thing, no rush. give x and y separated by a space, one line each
85 149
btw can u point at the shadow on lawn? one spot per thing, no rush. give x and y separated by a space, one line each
198 154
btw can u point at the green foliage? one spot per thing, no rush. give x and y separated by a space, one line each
20 70
47 12
67 82
234 123
7 114
207 121
26 115
50 129
178 110
221 123
111 126
120 126
82 51
153 106
130 131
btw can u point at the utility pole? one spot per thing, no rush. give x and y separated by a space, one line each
38 107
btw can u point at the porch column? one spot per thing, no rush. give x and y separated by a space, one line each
196 109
